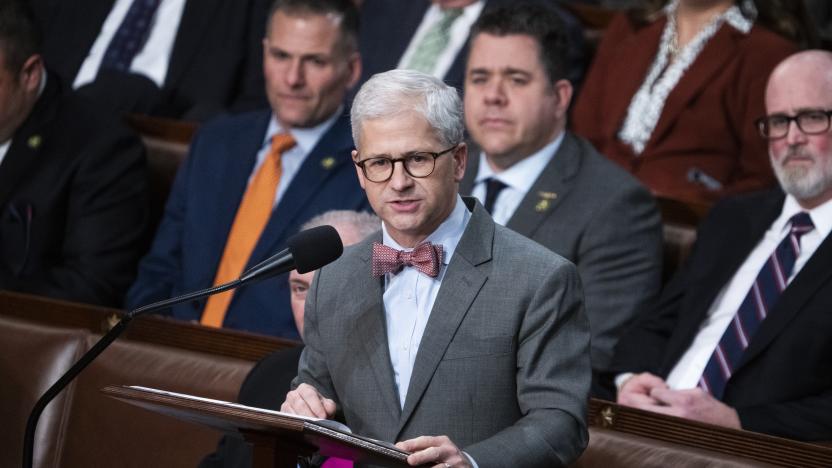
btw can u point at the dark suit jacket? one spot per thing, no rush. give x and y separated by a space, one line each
502 368
708 119
73 203
783 385
264 387
387 27
201 208
216 56
604 221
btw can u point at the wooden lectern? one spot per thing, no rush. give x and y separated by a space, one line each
278 438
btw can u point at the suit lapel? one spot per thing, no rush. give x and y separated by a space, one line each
811 277
713 57
225 199
551 186
460 287
195 22
24 153
327 158
373 332
631 66
74 41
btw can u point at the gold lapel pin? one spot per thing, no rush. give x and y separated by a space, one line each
547 195
542 205
34 141
328 162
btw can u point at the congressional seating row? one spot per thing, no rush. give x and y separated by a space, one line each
42 337
167 143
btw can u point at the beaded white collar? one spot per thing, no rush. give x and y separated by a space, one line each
647 104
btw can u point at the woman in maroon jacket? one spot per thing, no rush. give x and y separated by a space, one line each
673 93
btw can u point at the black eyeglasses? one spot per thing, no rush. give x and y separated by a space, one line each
417 164
810 122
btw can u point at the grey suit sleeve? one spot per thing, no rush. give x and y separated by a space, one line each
619 261
312 367
553 378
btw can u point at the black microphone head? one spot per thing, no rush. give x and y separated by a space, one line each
314 248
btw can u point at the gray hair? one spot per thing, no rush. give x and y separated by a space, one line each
397 91
362 222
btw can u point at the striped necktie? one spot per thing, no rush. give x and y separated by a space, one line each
760 300
433 42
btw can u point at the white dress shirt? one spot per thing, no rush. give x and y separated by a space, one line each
689 369
292 159
459 36
409 296
152 61
4 148
518 178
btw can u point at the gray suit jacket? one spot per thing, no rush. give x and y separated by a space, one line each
598 216
503 367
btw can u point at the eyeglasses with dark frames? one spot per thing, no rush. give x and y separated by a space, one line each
810 122
418 164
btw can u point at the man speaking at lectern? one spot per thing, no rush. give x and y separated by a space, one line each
456 337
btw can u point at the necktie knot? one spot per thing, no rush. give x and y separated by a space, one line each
493 187
426 258
801 223
282 142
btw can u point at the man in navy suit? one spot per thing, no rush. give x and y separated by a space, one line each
699 353
310 60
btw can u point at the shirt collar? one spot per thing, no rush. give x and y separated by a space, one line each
821 216
305 138
447 234
522 174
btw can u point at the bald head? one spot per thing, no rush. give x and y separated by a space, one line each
798 108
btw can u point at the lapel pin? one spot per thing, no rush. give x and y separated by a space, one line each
542 205
328 162
34 141
547 195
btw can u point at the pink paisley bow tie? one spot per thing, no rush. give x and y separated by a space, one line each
425 258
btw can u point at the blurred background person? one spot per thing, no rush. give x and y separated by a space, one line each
674 89
542 181
73 187
187 59
740 336
251 180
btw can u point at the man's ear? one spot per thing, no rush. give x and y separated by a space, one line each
563 91
358 171
460 161
354 69
31 73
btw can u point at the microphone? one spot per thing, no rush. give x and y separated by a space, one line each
308 250
313 249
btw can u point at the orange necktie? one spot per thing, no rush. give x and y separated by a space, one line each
249 222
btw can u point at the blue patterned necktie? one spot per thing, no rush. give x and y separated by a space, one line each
131 35
760 300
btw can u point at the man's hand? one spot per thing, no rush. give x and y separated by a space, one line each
637 390
694 404
307 401
438 450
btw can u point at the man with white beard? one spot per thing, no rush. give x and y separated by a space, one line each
741 336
